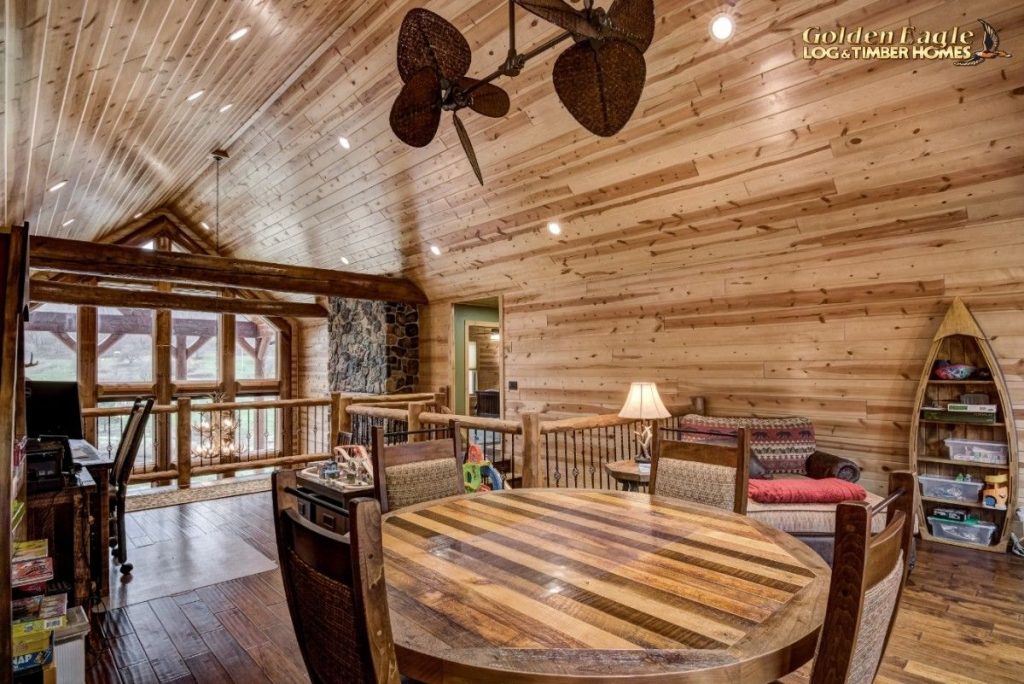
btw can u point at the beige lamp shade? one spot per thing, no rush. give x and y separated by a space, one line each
643 403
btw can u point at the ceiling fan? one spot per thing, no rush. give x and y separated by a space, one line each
599 78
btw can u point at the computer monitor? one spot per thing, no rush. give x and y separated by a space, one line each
53 408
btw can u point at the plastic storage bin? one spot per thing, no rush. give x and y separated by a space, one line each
978 451
978 533
950 490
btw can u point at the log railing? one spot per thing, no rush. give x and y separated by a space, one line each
226 437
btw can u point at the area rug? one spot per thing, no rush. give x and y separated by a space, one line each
205 492
173 567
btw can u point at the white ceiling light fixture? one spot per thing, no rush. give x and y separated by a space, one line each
225 108
195 96
722 27
345 260
238 34
435 250
345 144
138 215
57 186
554 228
205 225
68 222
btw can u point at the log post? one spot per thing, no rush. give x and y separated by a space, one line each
413 421
533 470
184 443
340 420
87 350
442 397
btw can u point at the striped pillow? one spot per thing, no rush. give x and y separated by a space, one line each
783 445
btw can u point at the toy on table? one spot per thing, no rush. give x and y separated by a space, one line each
350 465
996 491
479 474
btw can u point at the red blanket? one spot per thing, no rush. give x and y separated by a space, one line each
828 490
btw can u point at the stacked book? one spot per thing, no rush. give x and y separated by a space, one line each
978 414
34 616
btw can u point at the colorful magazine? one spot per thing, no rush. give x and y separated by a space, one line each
34 650
31 572
38 613
30 550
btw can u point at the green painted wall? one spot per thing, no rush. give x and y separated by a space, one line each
462 314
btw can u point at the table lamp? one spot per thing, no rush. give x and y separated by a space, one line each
644 404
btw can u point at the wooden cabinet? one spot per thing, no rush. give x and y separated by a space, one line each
960 340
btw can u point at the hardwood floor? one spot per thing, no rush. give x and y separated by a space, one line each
961 620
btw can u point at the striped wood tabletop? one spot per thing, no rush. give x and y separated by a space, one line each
591 586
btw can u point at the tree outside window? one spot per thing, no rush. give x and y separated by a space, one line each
124 345
51 343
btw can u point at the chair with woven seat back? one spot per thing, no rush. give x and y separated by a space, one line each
335 590
868 576
414 471
124 461
688 466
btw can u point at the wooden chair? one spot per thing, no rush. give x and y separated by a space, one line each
868 575
711 473
124 461
414 471
335 589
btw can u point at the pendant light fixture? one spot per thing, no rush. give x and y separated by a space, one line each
218 156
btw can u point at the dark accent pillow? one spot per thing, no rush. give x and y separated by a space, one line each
758 471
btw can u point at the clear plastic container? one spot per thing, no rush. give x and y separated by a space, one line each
978 451
979 533
950 490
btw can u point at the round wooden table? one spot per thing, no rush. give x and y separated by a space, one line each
538 585
627 473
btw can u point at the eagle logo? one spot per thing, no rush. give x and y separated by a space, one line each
991 50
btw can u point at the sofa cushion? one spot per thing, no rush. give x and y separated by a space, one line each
810 518
802 490
782 444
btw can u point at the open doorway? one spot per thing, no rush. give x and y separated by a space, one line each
477 358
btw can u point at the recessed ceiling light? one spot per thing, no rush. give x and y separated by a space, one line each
226 108
138 215
195 96
722 27
435 250
554 228
57 186
343 141
238 34
68 222
205 225
344 260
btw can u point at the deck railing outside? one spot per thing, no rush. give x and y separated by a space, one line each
223 438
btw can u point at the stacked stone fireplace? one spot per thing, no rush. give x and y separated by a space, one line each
374 346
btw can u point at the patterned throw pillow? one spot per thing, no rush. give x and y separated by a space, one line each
783 445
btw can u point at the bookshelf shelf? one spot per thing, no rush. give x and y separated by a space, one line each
959 339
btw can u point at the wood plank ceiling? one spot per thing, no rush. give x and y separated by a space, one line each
777 233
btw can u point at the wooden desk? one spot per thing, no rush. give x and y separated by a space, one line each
62 517
627 473
584 585
100 465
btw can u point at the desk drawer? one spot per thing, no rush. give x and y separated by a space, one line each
329 520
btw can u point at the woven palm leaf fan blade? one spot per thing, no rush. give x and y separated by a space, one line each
467 147
563 15
429 40
600 83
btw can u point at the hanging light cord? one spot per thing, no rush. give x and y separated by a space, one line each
217 214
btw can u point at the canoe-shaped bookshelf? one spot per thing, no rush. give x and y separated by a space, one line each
953 474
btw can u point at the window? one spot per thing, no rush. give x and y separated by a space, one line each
194 347
255 348
125 346
51 343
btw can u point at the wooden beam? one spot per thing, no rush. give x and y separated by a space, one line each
75 256
63 293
